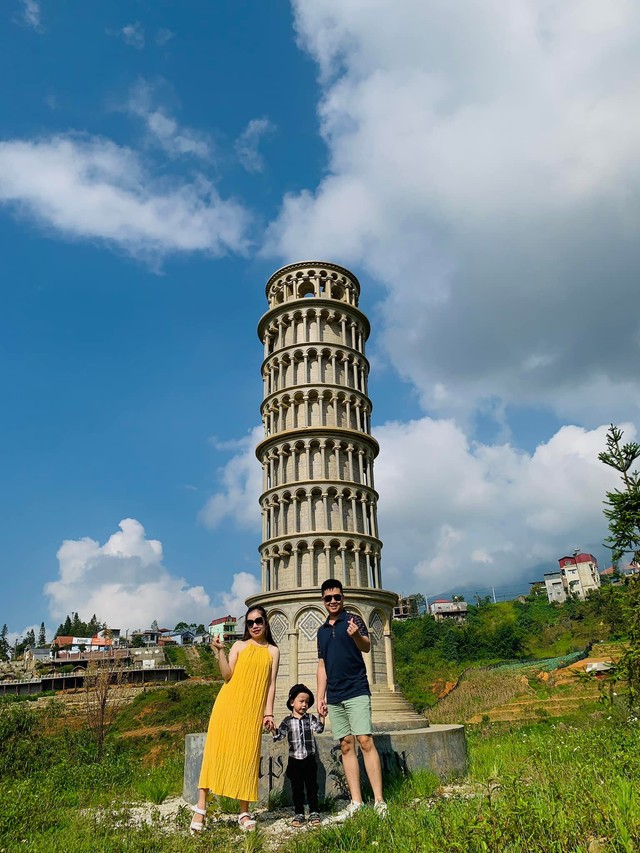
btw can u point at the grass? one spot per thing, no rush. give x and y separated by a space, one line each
479 690
545 787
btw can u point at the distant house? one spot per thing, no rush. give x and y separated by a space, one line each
112 634
442 609
576 576
33 656
81 644
225 627
177 638
406 608
628 570
151 636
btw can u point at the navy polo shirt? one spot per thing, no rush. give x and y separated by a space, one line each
343 661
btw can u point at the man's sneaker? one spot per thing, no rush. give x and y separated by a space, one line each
345 814
380 808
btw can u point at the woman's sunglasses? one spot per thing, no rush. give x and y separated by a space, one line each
329 598
259 621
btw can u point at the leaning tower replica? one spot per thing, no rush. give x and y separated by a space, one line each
319 504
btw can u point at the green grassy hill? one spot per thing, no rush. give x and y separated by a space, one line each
430 655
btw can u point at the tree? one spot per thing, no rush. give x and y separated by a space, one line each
181 626
154 625
30 638
4 643
42 636
623 507
200 629
623 512
66 628
103 697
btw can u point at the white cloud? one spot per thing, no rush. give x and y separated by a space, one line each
483 167
164 130
241 480
163 35
133 35
244 585
455 512
90 188
247 144
30 14
125 583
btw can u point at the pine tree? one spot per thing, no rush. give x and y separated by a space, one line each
623 512
4 643
42 636
30 637
93 626
59 632
623 507
66 631
76 625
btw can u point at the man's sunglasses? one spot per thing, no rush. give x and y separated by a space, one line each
259 621
329 598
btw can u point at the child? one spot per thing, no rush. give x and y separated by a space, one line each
302 769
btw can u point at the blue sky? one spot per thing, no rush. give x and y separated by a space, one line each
158 160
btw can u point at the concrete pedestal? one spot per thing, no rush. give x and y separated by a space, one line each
439 748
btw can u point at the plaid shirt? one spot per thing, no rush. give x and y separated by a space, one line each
299 731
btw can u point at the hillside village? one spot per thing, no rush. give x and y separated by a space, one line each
78 645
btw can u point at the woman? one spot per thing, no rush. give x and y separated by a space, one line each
243 708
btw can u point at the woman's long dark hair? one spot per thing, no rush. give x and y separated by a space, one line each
267 629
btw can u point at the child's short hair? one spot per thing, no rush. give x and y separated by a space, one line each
330 583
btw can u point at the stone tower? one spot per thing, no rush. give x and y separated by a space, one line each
319 504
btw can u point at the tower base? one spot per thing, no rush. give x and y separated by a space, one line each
441 749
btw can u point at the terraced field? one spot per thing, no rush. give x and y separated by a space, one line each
527 691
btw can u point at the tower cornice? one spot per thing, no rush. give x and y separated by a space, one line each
301 265
317 303
305 433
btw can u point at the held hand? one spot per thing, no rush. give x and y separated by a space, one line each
352 628
322 707
268 723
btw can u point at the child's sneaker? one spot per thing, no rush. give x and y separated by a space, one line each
298 821
350 810
380 808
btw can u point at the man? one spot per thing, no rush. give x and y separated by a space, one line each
343 690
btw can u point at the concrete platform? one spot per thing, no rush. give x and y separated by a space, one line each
439 748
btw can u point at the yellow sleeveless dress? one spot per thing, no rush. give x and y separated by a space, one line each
231 757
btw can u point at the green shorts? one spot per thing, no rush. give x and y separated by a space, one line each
351 717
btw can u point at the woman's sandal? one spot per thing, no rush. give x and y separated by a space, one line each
197 826
298 821
246 822
314 819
